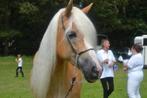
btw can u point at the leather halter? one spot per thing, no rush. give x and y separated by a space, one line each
72 47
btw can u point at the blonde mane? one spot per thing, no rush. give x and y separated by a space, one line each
85 26
45 58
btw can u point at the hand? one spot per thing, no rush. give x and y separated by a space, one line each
125 68
111 65
125 62
106 61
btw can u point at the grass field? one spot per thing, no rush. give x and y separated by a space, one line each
12 87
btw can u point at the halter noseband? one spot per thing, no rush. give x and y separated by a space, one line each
72 47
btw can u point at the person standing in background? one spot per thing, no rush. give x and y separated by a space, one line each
107 60
19 65
134 67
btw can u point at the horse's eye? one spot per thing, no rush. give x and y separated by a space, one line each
72 35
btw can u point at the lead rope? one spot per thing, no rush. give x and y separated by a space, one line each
72 84
73 78
70 89
76 65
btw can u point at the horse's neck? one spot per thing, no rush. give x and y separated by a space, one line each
59 81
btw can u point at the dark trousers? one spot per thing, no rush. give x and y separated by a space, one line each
21 71
108 86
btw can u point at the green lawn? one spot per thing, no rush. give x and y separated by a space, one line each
12 87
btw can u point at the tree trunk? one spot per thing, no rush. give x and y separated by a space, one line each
6 48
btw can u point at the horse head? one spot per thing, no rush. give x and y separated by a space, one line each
70 37
76 39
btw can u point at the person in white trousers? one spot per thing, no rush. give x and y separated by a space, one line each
134 66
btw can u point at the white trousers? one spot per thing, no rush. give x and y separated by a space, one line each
133 84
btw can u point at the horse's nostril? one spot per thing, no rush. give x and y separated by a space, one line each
94 69
94 73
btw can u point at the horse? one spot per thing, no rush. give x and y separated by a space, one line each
66 54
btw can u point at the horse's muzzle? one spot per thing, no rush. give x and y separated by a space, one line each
89 69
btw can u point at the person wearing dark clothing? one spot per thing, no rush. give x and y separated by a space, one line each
107 60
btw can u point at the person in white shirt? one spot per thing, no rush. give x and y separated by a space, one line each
134 67
107 60
19 67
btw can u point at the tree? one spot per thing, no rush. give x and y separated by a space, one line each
120 18
23 22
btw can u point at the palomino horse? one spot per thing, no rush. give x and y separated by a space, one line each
66 51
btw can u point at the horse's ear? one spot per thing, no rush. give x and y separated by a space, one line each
87 8
69 8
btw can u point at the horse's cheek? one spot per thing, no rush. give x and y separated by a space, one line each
63 52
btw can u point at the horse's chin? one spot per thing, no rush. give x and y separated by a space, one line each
91 81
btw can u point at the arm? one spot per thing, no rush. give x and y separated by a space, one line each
113 61
16 60
125 68
128 64
100 58
105 61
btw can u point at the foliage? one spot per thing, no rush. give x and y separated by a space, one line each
9 34
30 18
121 15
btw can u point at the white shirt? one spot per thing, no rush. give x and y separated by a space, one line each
102 55
135 63
20 62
